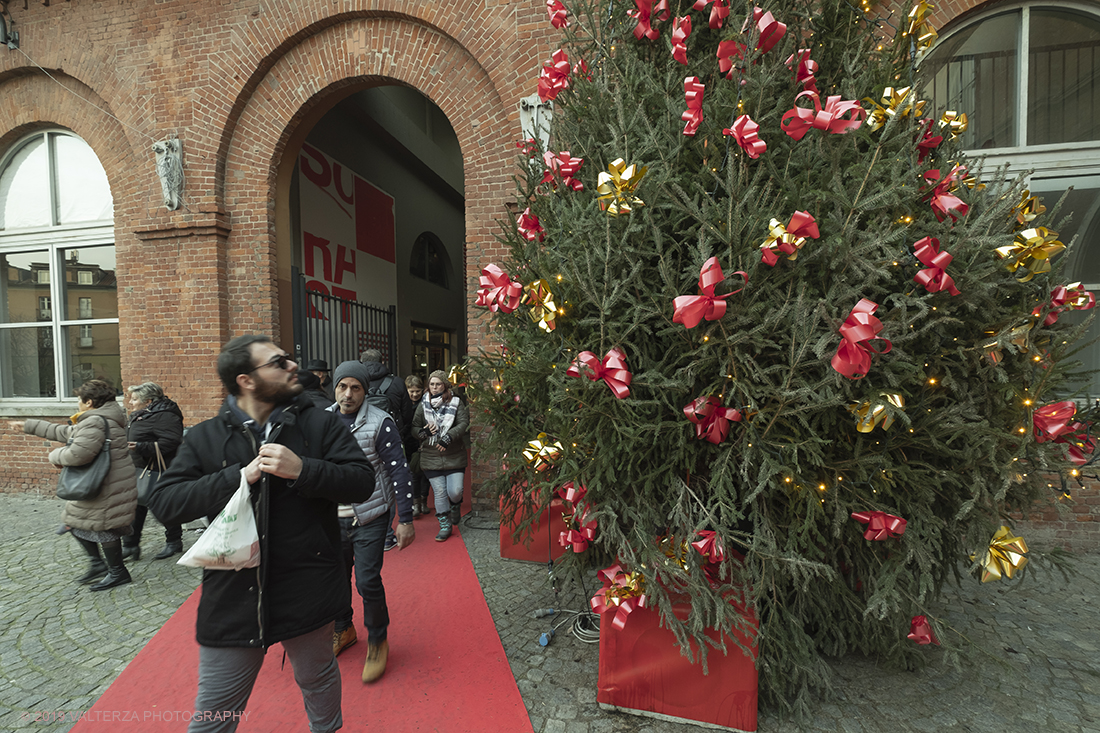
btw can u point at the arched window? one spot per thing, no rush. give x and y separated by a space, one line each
58 291
1028 77
429 259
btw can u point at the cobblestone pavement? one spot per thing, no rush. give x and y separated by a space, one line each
62 646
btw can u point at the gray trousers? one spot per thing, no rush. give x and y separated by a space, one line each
227 674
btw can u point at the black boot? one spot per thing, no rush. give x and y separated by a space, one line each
117 574
98 568
131 548
169 549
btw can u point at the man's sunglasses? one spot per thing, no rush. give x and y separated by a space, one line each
279 362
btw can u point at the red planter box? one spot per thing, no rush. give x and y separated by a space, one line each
643 672
542 544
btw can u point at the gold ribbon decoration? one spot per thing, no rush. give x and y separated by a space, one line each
872 413
1004 557
1017 336
895 103
1031 252
920 30
616 187
954 123
457 376
675 549
1028 209
541 453
543 309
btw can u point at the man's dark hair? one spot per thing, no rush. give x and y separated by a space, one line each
236 358
97 391
371 355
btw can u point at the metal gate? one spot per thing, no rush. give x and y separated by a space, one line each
334 329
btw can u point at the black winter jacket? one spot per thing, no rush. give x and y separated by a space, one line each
160 422
300 584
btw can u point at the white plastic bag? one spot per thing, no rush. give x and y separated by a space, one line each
231 541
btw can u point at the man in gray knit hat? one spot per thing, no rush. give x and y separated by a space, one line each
363 526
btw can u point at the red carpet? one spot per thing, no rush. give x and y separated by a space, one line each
447 670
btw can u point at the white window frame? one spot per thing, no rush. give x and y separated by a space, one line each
84 277
51 241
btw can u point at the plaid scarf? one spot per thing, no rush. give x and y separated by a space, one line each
441 411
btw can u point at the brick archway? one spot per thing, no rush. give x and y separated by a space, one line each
133 181
337 60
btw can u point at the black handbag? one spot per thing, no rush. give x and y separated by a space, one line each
149 477
80 483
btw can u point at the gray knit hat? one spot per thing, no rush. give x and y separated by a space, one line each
355 369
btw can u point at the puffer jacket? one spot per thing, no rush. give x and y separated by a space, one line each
117 500
452 459
392 483
160 422
300 584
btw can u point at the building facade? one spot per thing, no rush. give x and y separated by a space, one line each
355 149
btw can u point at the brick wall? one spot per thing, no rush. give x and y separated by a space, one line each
234 80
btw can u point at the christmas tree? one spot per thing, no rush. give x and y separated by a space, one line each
767 332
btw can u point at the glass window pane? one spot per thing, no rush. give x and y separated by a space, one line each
102 291
25 188
1063 78
1083 258
82 188
94 354
21 288
418 260
27 362
974 71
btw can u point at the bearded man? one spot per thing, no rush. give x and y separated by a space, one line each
300 462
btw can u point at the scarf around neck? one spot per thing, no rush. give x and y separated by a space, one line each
440 411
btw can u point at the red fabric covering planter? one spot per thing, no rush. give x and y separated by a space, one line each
643 672
542 545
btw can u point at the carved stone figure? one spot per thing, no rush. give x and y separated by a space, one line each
169 154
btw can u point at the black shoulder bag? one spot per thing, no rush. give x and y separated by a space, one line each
80 483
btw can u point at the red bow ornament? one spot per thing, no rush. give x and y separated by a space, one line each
691 309
853 357
788 239
554 77
921 632
710 546
1052 421
563 165
572 492
880 525
693 95
681 29
727 50
807 68
529 227
798 121
526 146
928 141
559 16
497 290
718 13
1072 297
646 12
935 277
621 591
744 132
944 202
612 370
712 421
771 30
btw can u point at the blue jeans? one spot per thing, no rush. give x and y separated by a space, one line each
362 546
447 489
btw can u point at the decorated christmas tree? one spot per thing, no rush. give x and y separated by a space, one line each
768 334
